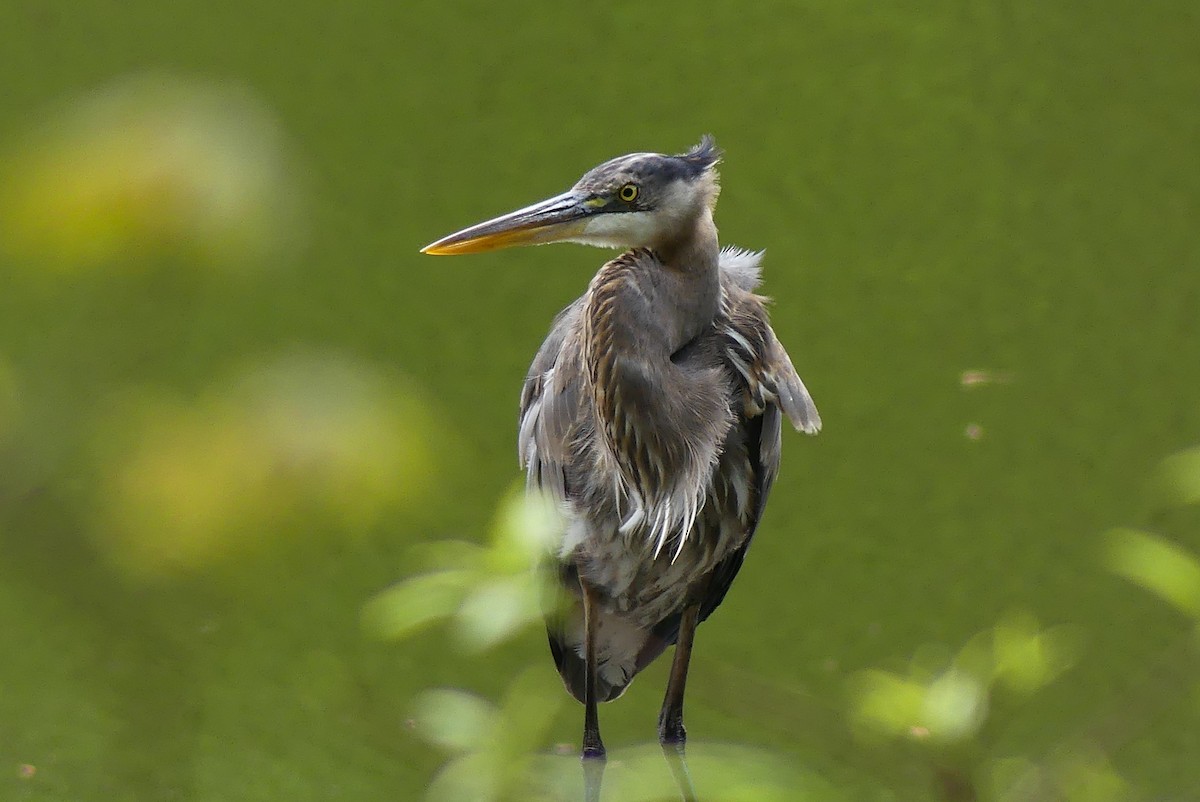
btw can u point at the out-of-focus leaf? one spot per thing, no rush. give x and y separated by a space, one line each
470 778
500 743
502 588
1157 565
184 486
977 656
885 703
1028 658
1181 476
1015 778
405 608
950 703
955 706
1085 775
146 164
524 530
440 554
929 660
341 430
529 708
498 608
455 720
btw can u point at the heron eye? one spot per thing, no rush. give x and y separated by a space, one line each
628 193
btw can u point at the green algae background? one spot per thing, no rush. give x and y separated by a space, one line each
980 223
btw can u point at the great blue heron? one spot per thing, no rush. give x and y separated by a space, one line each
652 412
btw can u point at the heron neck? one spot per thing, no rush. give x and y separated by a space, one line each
693 277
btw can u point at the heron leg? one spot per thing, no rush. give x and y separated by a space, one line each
670 720
593 747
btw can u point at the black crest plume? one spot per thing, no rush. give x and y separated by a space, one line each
703 156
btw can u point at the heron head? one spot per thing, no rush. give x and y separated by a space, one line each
638 200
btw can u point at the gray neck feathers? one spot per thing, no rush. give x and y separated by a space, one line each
690 280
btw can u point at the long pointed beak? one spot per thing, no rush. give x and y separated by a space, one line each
553 220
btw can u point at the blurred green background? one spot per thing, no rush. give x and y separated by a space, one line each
233 396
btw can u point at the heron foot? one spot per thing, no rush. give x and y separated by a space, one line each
671 732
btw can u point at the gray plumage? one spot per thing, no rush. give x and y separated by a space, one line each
701 437
652 413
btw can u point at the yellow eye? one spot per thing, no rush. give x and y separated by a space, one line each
628 193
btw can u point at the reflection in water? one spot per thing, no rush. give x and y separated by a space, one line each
721 773
677 761
593 777
676 757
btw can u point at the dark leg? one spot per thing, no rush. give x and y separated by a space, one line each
671 733
670 720
593 747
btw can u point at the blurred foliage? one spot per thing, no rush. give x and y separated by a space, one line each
496 757
184 484
1158 565
147 164
488 592
494 747
950 703
1180 477
940 704
952 197
1077 774
944 703
1153 561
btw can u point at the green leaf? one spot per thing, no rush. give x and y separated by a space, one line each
497 609
455 720
1181 476
405 608
1157 565
1028 658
